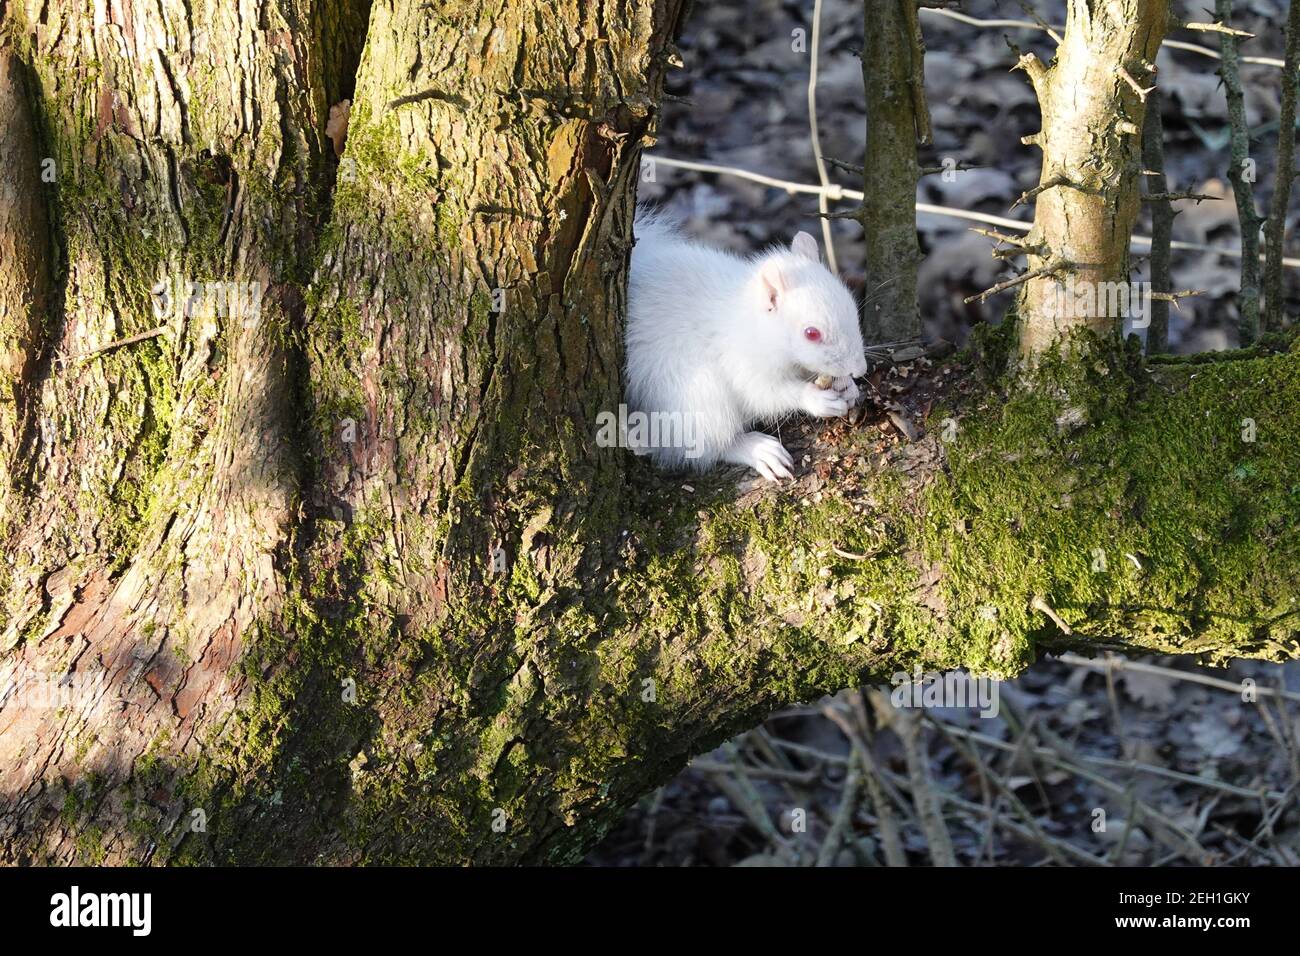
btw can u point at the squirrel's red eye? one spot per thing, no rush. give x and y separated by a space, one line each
812 334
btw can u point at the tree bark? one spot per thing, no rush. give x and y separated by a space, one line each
1240 167
1087 199
339 574
891 75
25 251
1275 316
150 525
1162 223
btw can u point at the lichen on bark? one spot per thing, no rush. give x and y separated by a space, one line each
458 631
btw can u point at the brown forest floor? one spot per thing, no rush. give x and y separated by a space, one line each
1184 772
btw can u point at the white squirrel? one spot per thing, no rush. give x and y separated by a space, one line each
716 343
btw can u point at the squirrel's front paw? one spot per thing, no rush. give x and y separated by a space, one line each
765 454
824 402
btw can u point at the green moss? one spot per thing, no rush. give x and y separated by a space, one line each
734 607
536 683
1101 492
336 385
418 196
1269 343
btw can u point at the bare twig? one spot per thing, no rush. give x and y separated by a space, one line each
733 782
1177 197
857 213
1028 25
1022 726
961 167
995 24
1024 247
850 555
890 840
1167 831
1217 27
1282 737
1042 24
1047 270
1000 236
834 191
119 343
858 730
853 168
652 821
1052 183
843 813
907 725
916 48
814 135
1285 730
1037 72
1069 849
1142 91
1281 804
1002 252
1251 846
1175 296
1077 660
1040 604
1003 787
1119 848
1133 766
803 777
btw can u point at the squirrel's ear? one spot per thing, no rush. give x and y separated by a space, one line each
806 246
772 281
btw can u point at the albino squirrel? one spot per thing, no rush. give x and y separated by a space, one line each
716 343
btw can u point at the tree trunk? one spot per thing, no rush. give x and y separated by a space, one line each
149 525
1275 231
1241 175
892 76
1087 198
1162 223
25 252
333 570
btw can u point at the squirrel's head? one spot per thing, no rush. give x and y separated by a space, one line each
814 313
